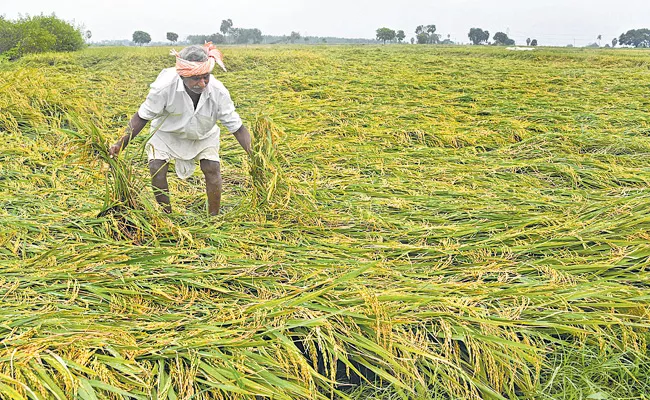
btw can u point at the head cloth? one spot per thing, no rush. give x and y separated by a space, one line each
193 68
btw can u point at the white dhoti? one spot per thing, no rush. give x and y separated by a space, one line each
185 152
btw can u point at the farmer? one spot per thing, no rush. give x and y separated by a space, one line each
184 104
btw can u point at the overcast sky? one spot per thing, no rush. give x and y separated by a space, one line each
551 22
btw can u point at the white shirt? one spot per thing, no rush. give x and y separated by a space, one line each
179 128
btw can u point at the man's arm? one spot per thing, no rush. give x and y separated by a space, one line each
132 130
244 138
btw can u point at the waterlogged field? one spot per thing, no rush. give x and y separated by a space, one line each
444 223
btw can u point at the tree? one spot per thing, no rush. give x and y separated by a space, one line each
614 42
528 42
433 37
421 35
226 26
533 42
635 37
501 39
38 34
422 38
256 35
7 35
244 35
215 38
478 36
32 38
385 34
294 36
68 38
240 35
426 34
141 37
400 35
172 37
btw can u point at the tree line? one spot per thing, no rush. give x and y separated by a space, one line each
229 34
39 34
35 34
634 37
426 34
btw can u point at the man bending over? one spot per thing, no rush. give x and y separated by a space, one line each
183 105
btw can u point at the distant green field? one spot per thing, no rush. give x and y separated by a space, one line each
433 222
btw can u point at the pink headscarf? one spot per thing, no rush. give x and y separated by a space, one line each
193 68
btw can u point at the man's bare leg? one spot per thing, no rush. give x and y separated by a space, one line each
158 170
213 184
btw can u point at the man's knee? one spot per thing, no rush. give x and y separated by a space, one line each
158 168
212 172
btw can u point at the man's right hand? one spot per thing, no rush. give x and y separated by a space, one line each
115 149
135 126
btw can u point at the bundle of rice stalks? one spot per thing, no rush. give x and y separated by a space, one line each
265 169
274 191
129 212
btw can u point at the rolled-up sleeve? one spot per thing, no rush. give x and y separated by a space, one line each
153 105
226 112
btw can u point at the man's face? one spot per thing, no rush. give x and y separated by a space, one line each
197 84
